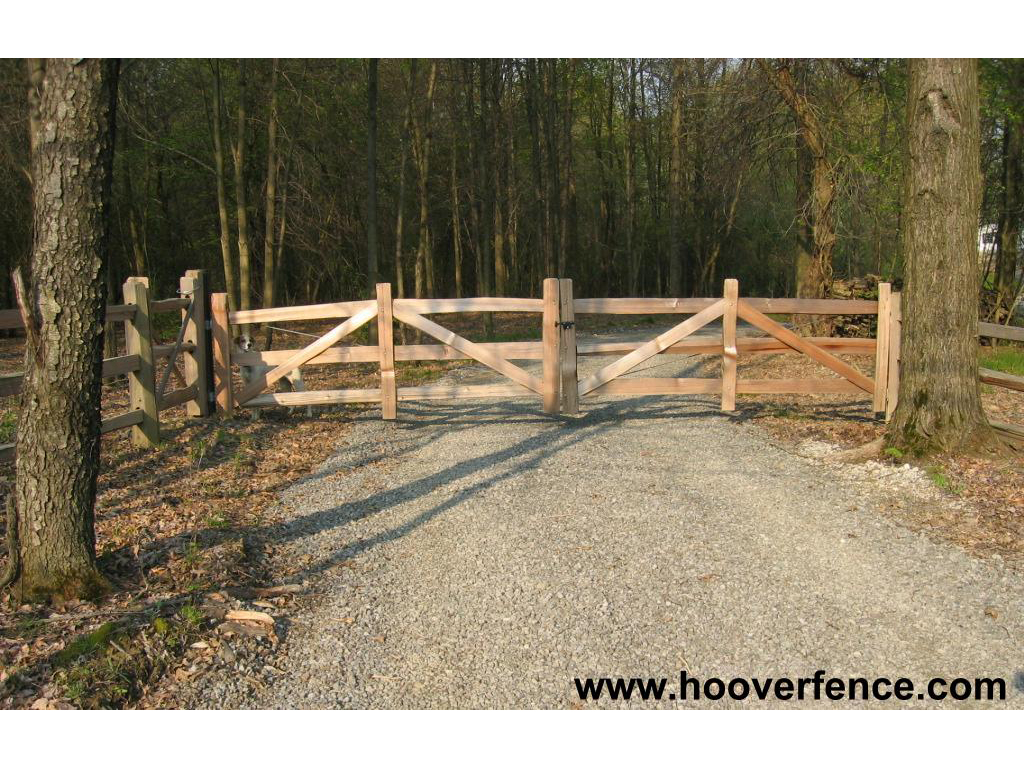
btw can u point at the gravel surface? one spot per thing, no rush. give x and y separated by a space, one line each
480 555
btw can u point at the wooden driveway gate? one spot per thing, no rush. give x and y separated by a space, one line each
559 385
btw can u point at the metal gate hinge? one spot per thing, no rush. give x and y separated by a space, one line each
565 324
209 325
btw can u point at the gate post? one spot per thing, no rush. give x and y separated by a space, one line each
386 345
882 338
729 353
549 341
567 348
892 389
220 330
138 335
197 361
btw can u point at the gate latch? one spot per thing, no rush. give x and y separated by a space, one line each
565 324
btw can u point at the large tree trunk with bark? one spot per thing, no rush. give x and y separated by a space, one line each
58 441
940 402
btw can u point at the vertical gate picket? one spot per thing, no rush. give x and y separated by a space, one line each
549 340
386 344
729 352
221 337
567 348
196 361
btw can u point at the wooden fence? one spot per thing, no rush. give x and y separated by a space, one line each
204 344
147 395
559 386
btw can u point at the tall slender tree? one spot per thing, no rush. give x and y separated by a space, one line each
58 442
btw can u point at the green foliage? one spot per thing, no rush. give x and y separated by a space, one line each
8 426
894 452
1005 359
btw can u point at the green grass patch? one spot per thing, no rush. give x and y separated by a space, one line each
8 426
1005 359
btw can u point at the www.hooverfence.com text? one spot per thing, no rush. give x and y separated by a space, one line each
818 687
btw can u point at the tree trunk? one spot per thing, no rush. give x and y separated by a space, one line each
58 440
269 271
1012 208
940 402
241 206
222 197
421 154
371 178
676 246
632 252
402 173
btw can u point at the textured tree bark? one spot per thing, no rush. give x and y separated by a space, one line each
1012 207
371 178
421 154
222 197
676 247
58 440
815 281
402 173
241 205
270 200
940 402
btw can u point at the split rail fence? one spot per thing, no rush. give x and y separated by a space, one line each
559 387
204 345
147 394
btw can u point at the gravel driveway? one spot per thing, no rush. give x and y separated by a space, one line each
479 554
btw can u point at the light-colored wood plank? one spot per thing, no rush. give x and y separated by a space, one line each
121 313
10 383
307 312
141 381
161 351
651 348
328 339
549 335
569 383
1000 379
640 306
796 386
481 304
196 361
815 306
783 334
478 353
729 353
744 345
650 386
178 396
469 391
117 366
386 347
338 354
1011 433
996 331
892 389
882 348
317 397
508 350
220 338
168 305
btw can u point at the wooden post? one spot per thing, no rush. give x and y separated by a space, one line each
138 335
895 333
196 362
567 348
882 348
220 332
386 344
729 353
549 337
